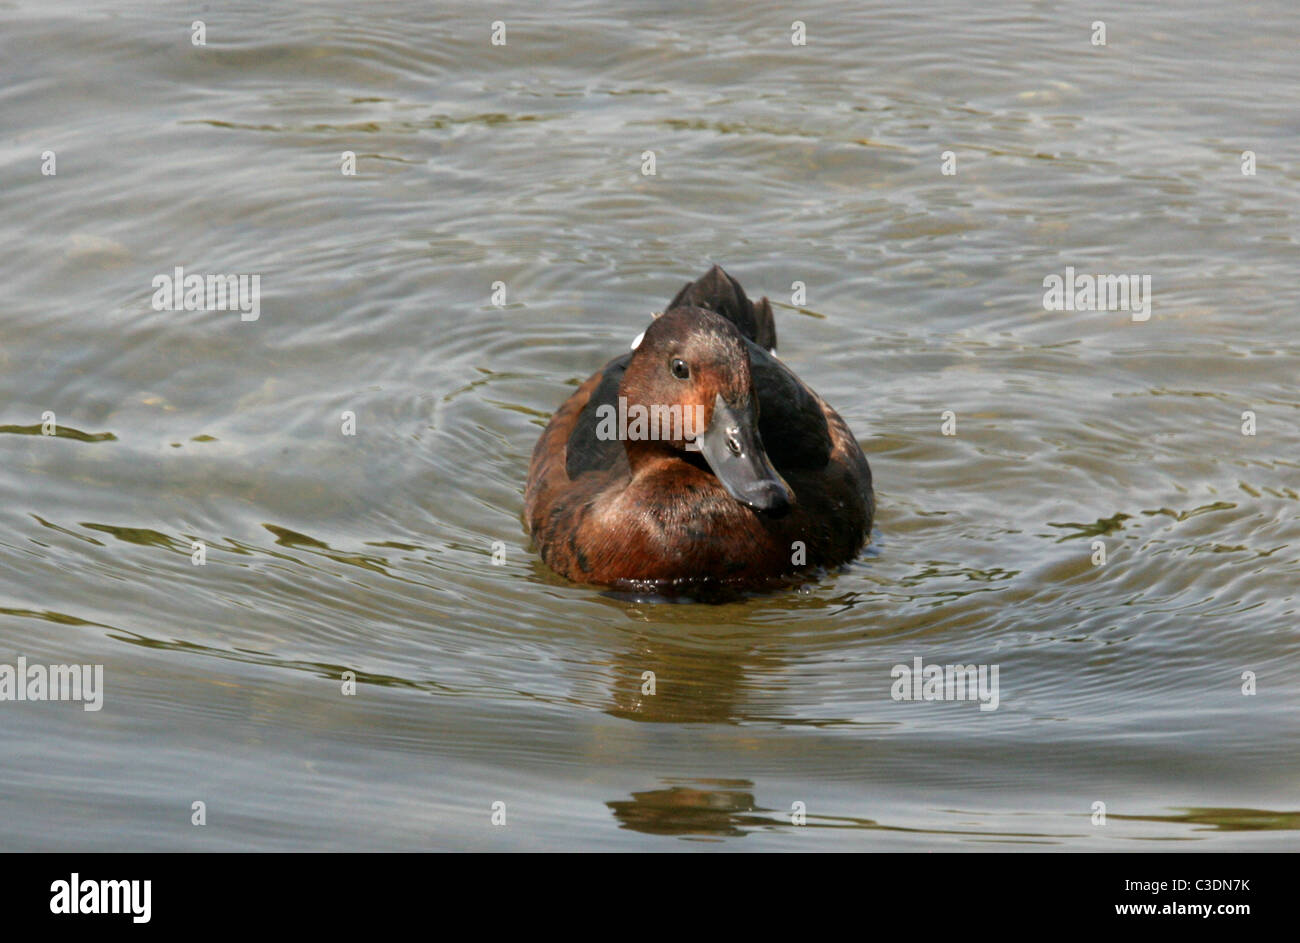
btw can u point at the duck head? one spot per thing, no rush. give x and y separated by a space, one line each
693 363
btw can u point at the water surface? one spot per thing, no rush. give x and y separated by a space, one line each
521 164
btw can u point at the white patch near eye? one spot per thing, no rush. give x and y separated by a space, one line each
771 351
637 342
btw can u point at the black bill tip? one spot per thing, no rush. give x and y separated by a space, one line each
772 498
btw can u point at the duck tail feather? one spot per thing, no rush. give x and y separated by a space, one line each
719 292
764 326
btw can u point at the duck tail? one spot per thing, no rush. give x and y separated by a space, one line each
719 292
765 332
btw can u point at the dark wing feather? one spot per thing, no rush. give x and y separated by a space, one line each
585 451
790 418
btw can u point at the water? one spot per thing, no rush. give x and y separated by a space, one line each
476 683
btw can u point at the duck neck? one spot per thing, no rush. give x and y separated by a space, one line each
643 454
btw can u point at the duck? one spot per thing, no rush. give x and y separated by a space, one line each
697 463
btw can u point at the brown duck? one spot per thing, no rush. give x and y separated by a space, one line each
698 462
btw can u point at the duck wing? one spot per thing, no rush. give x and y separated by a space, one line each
791 418
586 452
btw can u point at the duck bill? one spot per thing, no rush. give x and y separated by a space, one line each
734 451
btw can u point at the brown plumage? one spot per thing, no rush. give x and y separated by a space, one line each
772 485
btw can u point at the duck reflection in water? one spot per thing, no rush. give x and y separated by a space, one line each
661 682
726 809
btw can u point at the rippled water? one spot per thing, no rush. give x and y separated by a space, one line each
1120 683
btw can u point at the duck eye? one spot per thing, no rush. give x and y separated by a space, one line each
680 370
